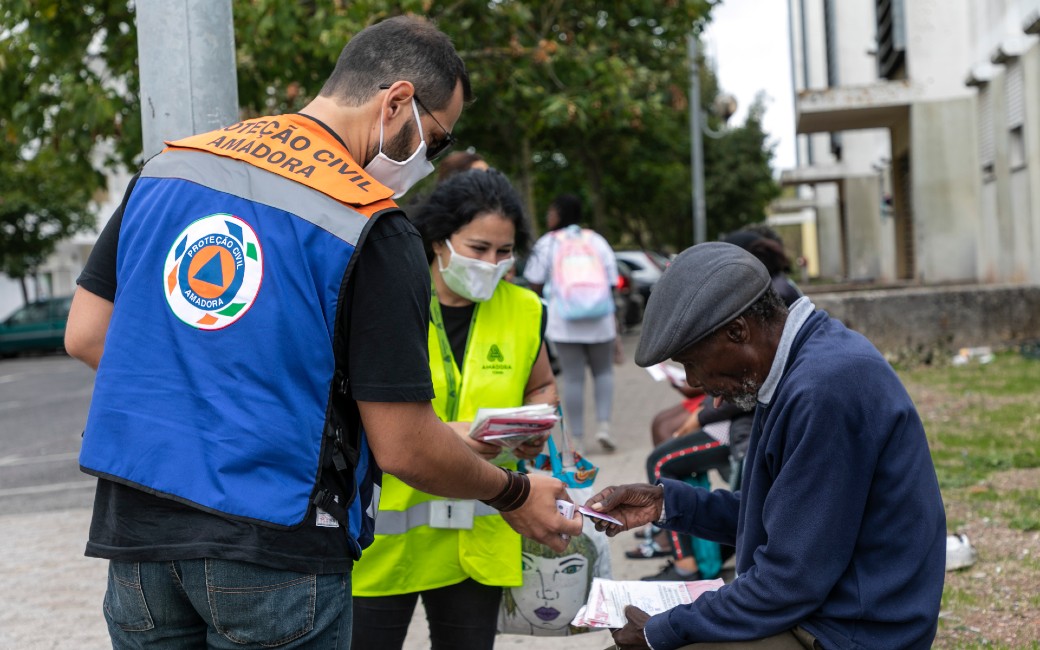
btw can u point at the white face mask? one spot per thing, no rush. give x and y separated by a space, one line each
470 278
400 175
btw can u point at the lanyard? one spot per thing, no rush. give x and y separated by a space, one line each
454 381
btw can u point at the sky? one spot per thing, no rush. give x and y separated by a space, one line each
748 41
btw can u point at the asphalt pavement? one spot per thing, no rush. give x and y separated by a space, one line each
51 595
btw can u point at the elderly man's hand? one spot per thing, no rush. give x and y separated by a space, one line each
634 505
632 637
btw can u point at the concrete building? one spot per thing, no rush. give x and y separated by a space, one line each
919 137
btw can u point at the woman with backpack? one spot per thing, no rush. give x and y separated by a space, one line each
575 269
486 350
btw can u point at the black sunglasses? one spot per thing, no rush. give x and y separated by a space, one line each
433 151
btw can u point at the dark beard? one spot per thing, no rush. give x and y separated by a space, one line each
397 147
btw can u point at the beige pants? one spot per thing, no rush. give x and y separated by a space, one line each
796 639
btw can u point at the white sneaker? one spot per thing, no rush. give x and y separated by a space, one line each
959 552
605 441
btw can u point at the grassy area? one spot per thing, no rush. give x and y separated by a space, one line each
983 426
982 419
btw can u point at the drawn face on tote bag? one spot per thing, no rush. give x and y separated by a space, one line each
560 587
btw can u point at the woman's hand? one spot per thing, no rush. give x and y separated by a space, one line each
530 449
482 449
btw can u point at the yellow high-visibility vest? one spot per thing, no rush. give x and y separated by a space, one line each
408 555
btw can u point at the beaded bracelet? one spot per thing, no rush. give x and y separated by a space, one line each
513 495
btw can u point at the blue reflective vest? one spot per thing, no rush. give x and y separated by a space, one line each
218 386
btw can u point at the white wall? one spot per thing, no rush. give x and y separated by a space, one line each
938 58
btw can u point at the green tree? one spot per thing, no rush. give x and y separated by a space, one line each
66 115
738 183
32 221
570 96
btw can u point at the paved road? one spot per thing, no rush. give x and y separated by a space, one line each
50 595
43 405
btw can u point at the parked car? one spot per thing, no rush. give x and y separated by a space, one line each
38 325
647 267
630 302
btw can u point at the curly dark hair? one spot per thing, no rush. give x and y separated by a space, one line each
464 197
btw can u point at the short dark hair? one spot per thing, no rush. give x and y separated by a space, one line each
771 253
763 230
465 196
568 209
400 48
768 309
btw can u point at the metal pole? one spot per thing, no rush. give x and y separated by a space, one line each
186 56
696 144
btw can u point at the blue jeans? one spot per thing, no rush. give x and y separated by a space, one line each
223 604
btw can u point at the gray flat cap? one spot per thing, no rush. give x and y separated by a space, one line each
705 287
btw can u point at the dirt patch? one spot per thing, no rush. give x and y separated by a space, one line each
995 602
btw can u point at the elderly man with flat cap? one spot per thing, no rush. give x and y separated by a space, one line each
838 526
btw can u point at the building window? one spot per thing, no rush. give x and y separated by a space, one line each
987 143
1014 89
891 39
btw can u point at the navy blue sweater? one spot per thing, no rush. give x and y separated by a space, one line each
839 525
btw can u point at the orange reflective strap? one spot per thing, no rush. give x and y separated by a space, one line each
299 149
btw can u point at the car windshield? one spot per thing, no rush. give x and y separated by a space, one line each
660 260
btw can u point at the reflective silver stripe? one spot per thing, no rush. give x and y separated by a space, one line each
398 522
255 184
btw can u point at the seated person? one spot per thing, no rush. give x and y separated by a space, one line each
713 437
839 527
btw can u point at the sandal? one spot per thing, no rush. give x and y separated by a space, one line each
648 550
647 531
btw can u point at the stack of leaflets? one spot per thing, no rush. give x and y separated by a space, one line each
608 599
511 427
675 375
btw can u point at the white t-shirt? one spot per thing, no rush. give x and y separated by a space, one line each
539 271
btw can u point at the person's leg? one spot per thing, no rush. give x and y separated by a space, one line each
680 458
462 616
666 422
796 639
145 607
601 362
251 606
222 604
572 371
382 621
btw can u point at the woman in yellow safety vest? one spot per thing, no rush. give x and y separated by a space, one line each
486 350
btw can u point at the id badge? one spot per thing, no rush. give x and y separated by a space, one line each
452 514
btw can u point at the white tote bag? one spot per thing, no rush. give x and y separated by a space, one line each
556 585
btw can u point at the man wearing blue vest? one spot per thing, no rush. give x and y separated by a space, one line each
257 313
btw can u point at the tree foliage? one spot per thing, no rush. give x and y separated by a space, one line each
66 115
574 95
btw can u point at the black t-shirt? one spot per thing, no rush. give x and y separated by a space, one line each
457 321
388 362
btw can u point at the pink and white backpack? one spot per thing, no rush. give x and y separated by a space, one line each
580 289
